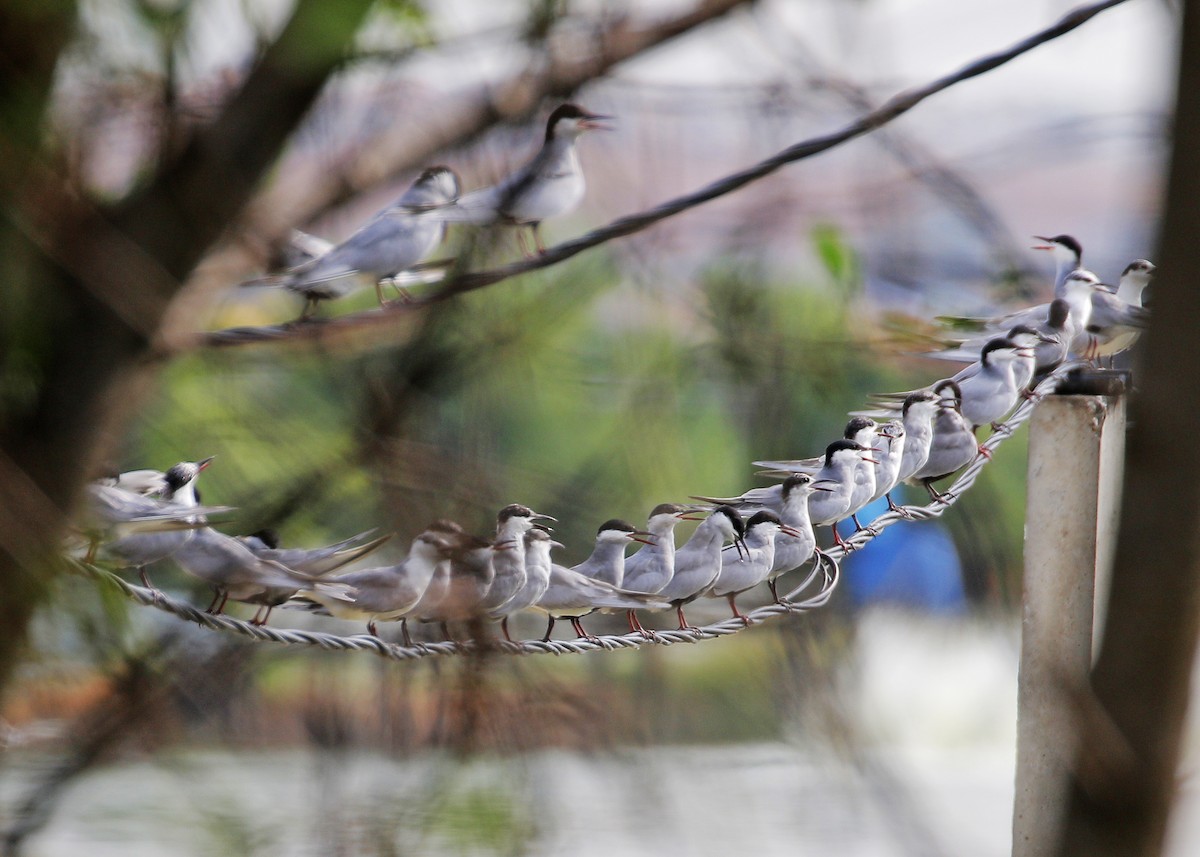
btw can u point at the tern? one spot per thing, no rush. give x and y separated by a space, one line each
575 592
988 388
1117 319
838 472
740 573
388 592
650 569
550 185
1068 257
235 572
1051 343
889 455
698 560
395 239
795 542
149 522
538 545
1077 291
508 561
315 562
953 445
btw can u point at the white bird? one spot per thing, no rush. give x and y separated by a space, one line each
315 562
698 560
650 569
550 185
918 412
388 592
235 572
1068 257
889 455
575 592
989 388
1077 290
395 239
838 472
140 527
508 559
795 542
538 545
469 577
740 573
1118 319
953 445
1052 340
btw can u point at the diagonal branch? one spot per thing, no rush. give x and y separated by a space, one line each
460 284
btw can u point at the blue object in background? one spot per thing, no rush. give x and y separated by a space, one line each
912 564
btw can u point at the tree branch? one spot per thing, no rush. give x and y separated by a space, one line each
340 328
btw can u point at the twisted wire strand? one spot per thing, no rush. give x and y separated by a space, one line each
825 566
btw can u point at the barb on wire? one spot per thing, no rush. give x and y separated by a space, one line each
463 283
825 566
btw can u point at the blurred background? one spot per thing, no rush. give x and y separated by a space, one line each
653 368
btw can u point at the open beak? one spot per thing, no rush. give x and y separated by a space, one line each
1045 245
593 122
784 528
204 462
740 545
643 537
538 516
869 459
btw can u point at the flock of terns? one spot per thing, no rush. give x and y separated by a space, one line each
134 519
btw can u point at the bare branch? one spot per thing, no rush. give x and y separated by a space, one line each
468 282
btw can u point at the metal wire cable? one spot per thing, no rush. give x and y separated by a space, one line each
825 566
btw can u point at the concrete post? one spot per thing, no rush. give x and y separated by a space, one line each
1076 457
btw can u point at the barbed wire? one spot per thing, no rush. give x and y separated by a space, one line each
825 565
462 283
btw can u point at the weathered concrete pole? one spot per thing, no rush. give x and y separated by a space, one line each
1076 454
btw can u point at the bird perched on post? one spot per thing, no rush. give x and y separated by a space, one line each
392 241
550 185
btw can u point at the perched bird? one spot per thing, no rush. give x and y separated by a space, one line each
467 582
953 445
439 583
989 388
650 569
508 559
134 528
838 471
388 592
795 542
740 573
538 545
1051 345
889 455
575 592
315 562
395 239
1068 257
1077 289
550 185
698 560
1117 319
235 572
917 413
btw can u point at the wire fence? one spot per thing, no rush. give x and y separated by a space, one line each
825 573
